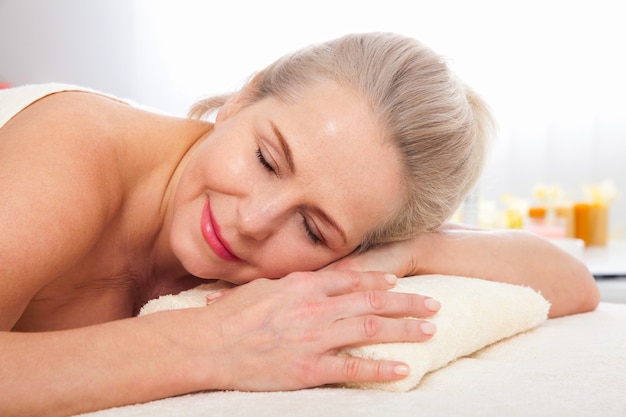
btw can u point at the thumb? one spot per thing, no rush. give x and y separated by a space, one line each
216 296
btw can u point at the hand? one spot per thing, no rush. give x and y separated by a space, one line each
398 258
286 334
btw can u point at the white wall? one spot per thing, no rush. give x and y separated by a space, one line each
80 42
553 71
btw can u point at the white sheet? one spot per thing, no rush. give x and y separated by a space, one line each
571 366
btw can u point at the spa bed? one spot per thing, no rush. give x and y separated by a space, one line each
570 366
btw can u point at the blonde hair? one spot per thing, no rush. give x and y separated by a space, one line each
438 124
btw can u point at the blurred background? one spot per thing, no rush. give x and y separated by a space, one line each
553 72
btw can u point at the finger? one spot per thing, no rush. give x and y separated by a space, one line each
217 295
383 303
342 369
345 282
368 330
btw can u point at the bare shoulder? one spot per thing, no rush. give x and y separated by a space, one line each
60 184
76 137
77 170
68 123
453 227
65 116
60 147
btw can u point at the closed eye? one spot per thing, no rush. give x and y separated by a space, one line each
264 162
313 237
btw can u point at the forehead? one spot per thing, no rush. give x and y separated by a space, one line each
343 162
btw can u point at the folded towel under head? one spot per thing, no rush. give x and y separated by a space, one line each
475 313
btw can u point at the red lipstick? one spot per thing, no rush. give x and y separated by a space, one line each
211 233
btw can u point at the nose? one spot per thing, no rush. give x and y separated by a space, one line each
258 218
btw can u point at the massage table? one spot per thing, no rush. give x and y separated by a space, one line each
570 366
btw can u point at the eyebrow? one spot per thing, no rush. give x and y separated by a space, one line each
321 213
292 168
285 147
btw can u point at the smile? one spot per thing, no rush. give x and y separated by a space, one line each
211 233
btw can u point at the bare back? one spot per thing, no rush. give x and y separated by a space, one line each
83 181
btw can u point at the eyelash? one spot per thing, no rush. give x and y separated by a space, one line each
263 161
307 229
315 239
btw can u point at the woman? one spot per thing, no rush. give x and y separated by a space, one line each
342 157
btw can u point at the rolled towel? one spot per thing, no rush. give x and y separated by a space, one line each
195 297
475 313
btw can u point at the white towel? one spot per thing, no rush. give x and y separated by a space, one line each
475 313
195 297
14 100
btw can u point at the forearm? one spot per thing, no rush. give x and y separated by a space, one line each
267 335
80 370
510 256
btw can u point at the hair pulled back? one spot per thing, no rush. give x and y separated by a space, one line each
439 126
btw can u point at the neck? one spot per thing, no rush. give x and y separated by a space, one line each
168 274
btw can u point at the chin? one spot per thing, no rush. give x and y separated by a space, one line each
205 269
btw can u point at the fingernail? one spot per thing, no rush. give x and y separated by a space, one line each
401 370
428 328
214 296
432 304
391 279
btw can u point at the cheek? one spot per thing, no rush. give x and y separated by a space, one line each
283 256
233 162
228 170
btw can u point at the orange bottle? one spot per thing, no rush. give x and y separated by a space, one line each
582 221
591 222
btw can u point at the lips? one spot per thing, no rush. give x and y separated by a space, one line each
211 233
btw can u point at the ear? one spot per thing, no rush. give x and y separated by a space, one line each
238 100
231 107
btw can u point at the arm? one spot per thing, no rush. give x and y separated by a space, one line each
55 205
266 335
90 368
55 202
510 256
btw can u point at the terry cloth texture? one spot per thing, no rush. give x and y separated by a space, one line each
475 313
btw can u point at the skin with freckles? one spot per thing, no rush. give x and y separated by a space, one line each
279 211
